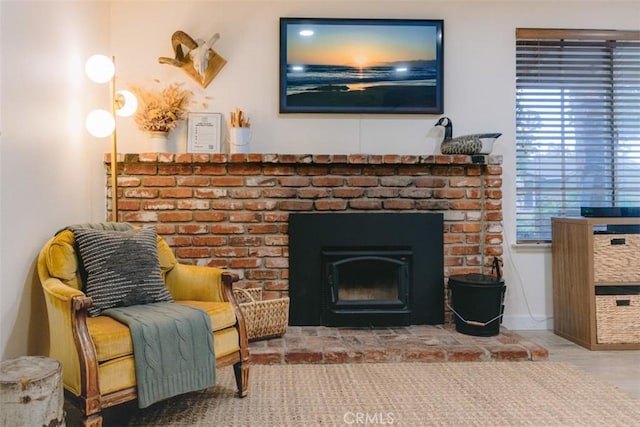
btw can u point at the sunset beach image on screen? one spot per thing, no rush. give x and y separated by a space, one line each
347 65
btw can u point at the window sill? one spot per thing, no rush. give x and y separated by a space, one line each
532 247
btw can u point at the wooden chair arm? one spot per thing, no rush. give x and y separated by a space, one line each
88 357
228 279
71 343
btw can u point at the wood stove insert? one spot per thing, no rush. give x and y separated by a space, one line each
369 269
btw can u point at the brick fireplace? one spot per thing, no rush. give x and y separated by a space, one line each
232 210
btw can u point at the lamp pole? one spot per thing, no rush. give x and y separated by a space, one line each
101 123
114 151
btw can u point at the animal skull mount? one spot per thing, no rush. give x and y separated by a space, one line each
199 61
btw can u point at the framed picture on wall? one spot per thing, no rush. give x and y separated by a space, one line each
203 133
361 66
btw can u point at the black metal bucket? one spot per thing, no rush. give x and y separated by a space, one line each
477 303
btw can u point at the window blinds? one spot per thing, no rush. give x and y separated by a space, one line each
577 124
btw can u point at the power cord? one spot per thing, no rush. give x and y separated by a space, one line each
520 283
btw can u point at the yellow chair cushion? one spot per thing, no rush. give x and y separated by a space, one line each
226 342
120 372
117 374
221 313
112 339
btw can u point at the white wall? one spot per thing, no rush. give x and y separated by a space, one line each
51 171
47 161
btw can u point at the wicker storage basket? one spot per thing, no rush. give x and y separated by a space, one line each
618 319
616 258
264 318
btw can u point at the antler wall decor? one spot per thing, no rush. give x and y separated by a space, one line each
200 61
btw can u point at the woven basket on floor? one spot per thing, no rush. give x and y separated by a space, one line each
264 318
617 319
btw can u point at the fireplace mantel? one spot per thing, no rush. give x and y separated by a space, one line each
231 210
320 159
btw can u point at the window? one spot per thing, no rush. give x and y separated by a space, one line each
577 124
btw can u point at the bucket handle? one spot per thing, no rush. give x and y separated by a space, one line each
495 267
474 322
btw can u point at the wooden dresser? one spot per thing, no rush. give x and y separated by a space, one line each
596 281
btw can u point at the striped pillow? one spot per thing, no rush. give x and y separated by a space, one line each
122 267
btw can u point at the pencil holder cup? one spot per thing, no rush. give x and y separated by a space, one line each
239 138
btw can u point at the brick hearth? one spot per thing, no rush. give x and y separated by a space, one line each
418 343
231 211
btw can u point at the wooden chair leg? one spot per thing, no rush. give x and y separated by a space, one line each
94 420
241 371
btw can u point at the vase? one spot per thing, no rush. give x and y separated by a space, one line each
239 138
159 141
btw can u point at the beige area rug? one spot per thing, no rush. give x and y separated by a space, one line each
403 394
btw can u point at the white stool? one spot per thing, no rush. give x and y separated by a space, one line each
31 392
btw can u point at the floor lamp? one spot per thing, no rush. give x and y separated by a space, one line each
102 123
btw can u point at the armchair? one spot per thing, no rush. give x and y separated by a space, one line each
97 352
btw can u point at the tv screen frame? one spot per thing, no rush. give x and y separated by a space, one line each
361 66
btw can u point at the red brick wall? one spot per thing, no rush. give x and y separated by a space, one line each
231 211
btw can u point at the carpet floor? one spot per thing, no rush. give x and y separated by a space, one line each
403 394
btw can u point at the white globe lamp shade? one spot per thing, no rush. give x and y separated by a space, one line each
100 68
126 103
100 123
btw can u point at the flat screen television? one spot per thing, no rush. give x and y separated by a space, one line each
378 66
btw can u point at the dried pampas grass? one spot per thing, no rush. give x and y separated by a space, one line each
160 111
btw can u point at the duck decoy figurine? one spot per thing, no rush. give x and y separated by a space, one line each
477 143
438 133
447 125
